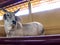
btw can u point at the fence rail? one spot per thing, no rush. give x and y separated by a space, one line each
31 40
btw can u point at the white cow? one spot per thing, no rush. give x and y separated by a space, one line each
13 26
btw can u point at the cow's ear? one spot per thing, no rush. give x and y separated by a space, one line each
16 10
17 18
4 16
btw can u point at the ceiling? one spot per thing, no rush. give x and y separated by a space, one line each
4 3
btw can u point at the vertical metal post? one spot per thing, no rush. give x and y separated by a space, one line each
29 7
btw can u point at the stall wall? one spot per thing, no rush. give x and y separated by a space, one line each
50 19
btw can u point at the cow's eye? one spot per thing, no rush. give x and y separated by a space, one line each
7 15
